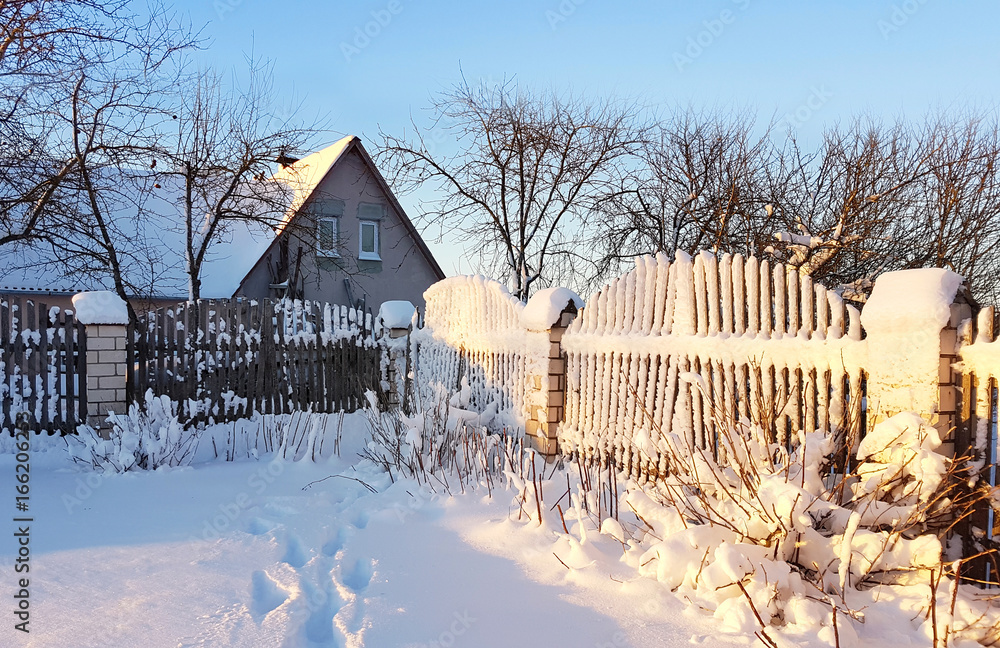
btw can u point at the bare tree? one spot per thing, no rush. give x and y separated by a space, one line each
54 57
873 197
695 185
227 144
843 209
956 221
527 174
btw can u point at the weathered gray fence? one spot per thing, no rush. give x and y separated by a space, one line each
43 366
228 359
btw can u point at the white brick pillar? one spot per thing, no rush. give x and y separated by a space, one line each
544 419
910 322
106 319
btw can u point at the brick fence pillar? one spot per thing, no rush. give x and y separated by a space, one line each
543 424
396 317
105 316
911 322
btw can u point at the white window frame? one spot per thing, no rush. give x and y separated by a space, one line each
362 254
331 252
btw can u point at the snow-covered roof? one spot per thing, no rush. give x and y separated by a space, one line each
152 253
304 175
154 244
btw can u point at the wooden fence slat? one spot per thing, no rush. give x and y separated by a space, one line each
29 366
766 305
792 281
81 371
18 353
6 391
46 393
780 303
726 290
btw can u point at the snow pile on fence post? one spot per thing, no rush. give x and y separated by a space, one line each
903 320
396 314
545 307
100 307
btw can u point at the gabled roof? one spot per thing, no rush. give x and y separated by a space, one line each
305 175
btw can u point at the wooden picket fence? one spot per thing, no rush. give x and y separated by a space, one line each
471 335
684 347
229 359
43 366
979 352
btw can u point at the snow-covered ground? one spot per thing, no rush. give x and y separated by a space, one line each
274 553
333 553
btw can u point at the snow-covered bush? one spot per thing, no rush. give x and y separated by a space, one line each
765 535
293 437
141 440
442 445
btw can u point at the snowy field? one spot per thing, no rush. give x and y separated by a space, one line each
267 552
261 553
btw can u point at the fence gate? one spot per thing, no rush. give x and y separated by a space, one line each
43 366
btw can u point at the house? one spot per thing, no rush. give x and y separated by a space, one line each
347 240
344 239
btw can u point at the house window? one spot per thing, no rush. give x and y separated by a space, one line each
327 214
326 237
369 241
369 215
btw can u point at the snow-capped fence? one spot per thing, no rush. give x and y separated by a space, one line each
472 333
679 349
978 374
684 347
43 366
229 359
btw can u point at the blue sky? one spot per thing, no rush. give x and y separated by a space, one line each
373 63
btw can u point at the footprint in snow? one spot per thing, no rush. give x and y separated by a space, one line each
358 576
259 526
267 595
295 554
335 544
360 520
323 603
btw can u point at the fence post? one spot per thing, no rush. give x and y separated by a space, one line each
911 321
543 425
396 317
105 317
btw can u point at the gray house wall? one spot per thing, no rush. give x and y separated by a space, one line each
403 272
